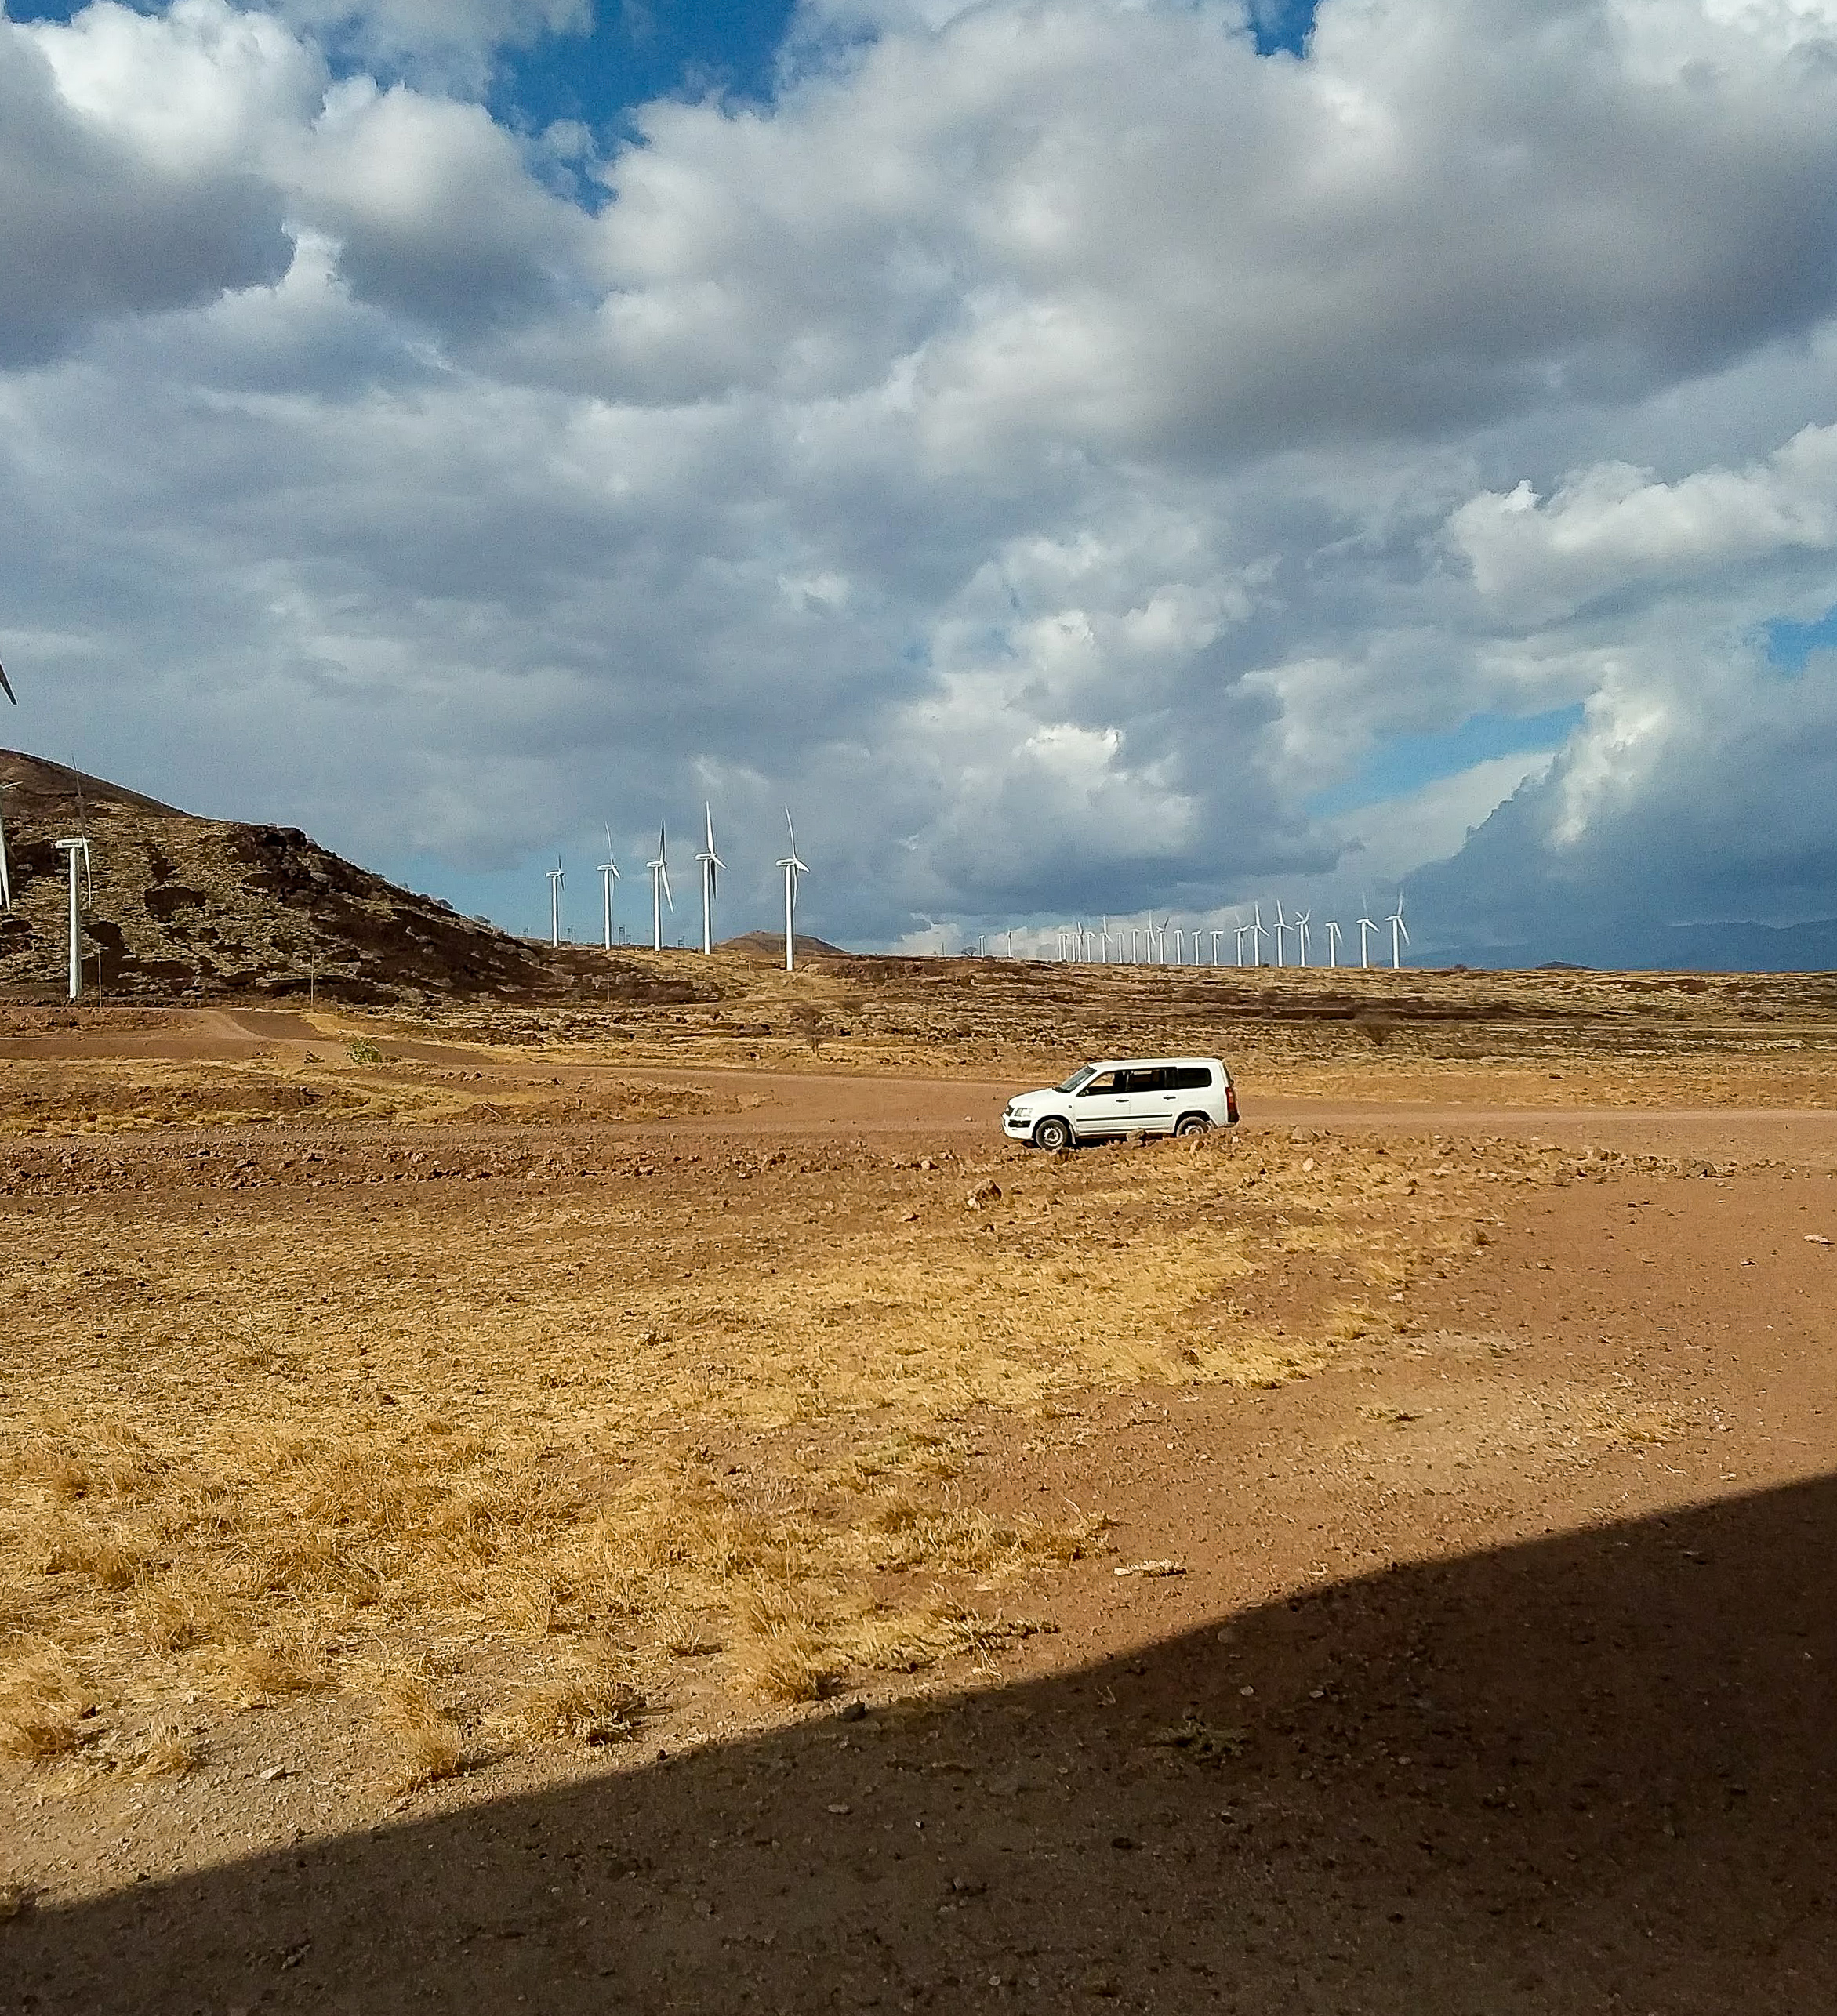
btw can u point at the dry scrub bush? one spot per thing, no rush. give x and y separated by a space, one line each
427 1743
593 1700
168 1750
41 1708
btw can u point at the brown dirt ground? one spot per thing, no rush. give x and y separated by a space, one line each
1488 1668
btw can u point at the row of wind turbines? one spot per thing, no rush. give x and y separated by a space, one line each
1146 944
710 863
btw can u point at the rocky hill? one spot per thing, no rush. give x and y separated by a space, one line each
184 905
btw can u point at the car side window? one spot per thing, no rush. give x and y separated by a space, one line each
1157 1079
1104 1083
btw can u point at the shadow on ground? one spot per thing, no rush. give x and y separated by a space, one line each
1593 1773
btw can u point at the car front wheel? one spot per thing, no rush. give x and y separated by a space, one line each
1052 1135
1193 1123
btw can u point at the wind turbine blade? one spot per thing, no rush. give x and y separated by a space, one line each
5 687
708 810
790 829
1405 929
663 870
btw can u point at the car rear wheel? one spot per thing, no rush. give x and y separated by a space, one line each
1193 1123
1052 1135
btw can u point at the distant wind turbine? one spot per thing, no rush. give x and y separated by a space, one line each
1281 926
1399 932
710 860
608 875
792 867
1300 931
1257 934
554 875
1366 926
5 878
71 849
659 873
1332 938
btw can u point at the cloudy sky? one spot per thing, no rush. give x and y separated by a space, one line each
1087 457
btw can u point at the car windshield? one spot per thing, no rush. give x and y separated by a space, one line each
1076 1079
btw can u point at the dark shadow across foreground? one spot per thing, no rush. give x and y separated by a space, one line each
1593 1773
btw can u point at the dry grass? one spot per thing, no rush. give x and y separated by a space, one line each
42 1709
594 1700
694 1411
168 1750
426 1744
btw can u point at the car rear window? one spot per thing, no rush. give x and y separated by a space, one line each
1191 1077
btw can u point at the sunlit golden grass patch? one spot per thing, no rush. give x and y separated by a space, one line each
272 1441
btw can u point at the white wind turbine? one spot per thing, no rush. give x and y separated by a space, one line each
1105 947
1399 932
608 875
1165 922
1180 944
710 860
1332 938
5 878
554 875
1281 926
792 868
659 873
1366 926
71 849
1239 932
1300 931
1216 936
1257 934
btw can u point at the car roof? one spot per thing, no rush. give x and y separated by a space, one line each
1130 1063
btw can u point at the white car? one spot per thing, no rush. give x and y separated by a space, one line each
1125 1096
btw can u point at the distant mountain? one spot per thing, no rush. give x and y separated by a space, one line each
183 903
1632 947
773 942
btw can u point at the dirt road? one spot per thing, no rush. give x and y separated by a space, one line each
1488 1670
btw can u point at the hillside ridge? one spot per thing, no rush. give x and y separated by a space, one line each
187 905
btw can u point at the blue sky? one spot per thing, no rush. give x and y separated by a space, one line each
638 52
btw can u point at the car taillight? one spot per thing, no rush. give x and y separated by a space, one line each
1231 1104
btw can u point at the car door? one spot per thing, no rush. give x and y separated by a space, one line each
1100 1107
1152 1098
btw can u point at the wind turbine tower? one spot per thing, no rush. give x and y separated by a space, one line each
710 860
555 902
5 878
1366 926
660 874
792 868
1257 934
1332 938
608 875
1281 926
71 849
1301 932
1400 933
